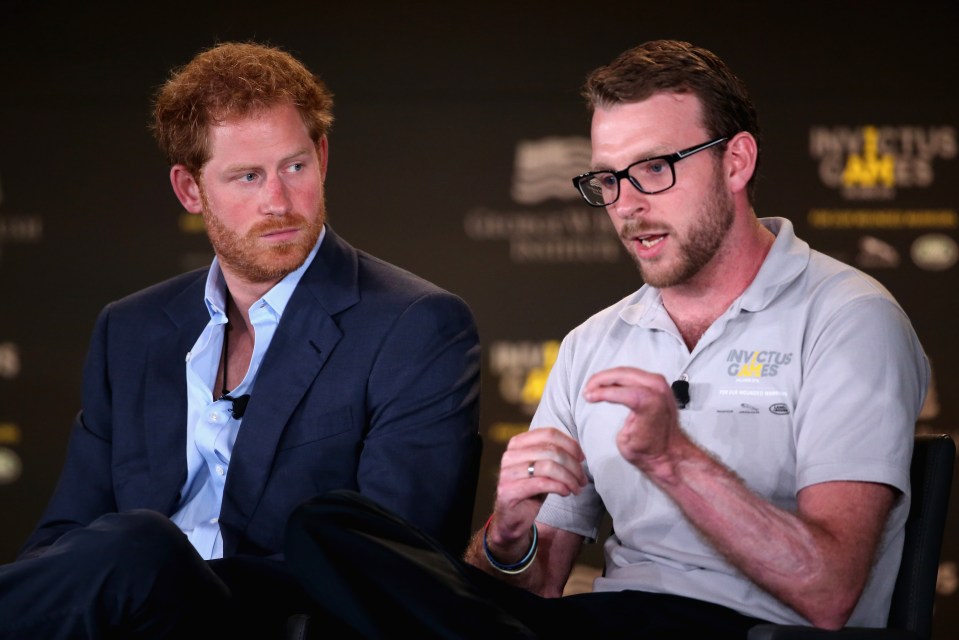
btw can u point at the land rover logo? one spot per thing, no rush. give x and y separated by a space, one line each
780 409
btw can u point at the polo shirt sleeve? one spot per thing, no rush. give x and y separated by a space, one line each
580 514
864 381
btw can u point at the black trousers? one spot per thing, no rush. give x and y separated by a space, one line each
135 575
382 578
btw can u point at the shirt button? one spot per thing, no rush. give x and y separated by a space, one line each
219 470
214 520
214 417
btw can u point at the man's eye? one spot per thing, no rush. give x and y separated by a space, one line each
606 180
248 177
656 166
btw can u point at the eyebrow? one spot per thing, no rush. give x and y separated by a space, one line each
648 156
241 167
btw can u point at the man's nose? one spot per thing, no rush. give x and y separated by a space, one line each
276 197
631 202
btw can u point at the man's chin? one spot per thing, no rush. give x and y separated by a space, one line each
659 278
272 267
280 268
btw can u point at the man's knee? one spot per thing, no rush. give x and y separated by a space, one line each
139 551
139 540
133 571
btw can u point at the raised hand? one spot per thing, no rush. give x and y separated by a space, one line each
652 424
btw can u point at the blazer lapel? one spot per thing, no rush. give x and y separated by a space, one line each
303 341
165 402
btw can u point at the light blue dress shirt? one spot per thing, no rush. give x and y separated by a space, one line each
211 427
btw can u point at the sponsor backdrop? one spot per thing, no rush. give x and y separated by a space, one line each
458 128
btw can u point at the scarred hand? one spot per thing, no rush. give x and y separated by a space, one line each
651 427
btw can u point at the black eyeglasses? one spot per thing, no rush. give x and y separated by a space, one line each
650 175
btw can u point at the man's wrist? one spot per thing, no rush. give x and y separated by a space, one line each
664 467
511 568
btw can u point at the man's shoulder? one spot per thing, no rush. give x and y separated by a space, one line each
351 284
624 313
392 292
346 267
636 303
827 278
793 265
383 282
377 269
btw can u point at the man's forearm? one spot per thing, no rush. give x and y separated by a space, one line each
817 564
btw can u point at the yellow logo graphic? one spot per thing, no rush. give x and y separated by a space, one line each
523 368
744 363
870 162
536 379
870 168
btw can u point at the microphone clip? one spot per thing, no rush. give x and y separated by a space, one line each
239 404
681 393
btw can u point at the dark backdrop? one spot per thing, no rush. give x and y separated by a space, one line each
457 127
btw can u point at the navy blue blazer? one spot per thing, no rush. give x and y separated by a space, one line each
371 383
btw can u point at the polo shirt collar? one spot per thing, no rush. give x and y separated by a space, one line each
786 260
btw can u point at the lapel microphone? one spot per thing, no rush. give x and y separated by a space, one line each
681 392
239 404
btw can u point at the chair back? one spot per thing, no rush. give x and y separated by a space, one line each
933 459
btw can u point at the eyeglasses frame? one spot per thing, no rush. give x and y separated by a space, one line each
670 158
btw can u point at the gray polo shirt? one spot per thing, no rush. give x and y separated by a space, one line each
813 374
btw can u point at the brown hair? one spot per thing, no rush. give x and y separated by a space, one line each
673 66
233 80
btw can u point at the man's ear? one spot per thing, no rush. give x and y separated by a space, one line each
323 151
186 188
740 161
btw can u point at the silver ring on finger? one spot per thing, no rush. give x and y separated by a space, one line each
531 469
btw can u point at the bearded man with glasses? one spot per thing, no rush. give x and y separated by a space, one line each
746 417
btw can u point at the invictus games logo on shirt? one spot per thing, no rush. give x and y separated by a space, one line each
871 162
744 363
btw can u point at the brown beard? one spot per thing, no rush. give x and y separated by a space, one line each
253 263
704 241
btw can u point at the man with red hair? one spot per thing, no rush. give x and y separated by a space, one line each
215 402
